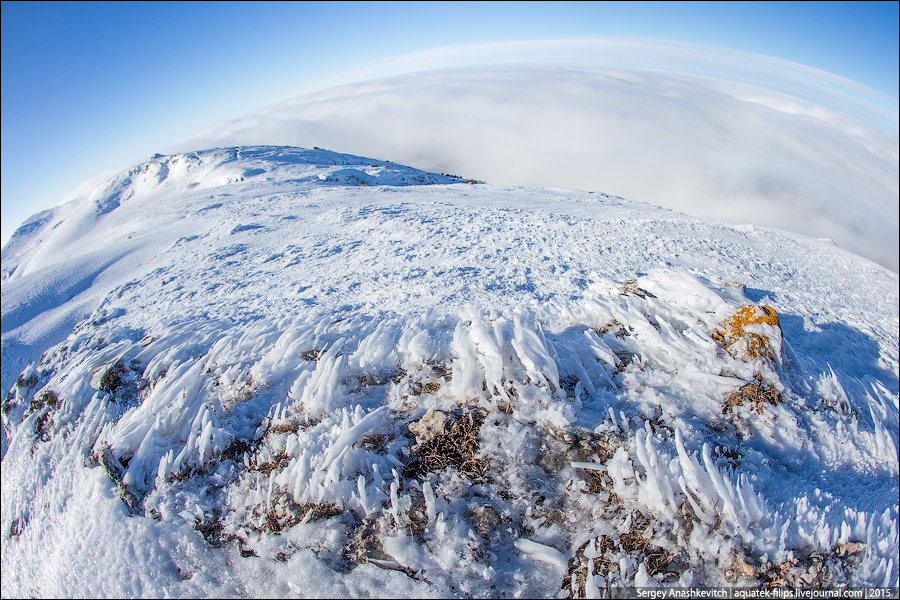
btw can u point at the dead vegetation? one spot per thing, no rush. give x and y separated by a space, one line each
368 380
619 332
26 381
279 460
454 444
292 427
283 513
44 405
807 569
114 378
318 510
236 450
418 388
122 382
560 447
364 543
602 555
441 371
213 531
311 355
756 395
373 442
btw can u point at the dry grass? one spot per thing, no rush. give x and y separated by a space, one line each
276 520
596 481
213 531
281 459
441 370
418 388
633 542
757 394
368 380
320 510
458 447
373 442
658 560
236 449
284 428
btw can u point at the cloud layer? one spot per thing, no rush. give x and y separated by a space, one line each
697 144
801 81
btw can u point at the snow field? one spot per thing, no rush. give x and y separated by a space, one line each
258 407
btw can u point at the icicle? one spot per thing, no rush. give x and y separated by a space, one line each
722 488
429 501
269 495
440 526
363 499
301 478
379 480
164 463
306 518
887 583
395 502
590 585
542 552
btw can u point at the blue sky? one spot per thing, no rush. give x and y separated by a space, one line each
88 87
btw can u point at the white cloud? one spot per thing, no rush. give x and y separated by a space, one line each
699 144
771 73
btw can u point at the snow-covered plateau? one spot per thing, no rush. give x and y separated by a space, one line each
270 371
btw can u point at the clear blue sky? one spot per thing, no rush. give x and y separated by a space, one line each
93 86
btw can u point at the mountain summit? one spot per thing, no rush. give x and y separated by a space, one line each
269 371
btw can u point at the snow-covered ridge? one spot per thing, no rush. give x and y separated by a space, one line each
164 176
298 386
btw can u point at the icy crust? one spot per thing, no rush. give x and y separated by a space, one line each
581 451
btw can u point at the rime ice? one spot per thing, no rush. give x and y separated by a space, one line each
218 365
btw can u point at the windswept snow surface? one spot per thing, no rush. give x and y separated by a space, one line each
220 363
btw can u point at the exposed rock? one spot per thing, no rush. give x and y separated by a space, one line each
435 422
751 333
631 287
364 543
114 471
485 519
849 549
560 447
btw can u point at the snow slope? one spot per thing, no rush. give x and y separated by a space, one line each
273 371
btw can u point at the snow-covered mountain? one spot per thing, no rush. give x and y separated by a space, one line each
273 371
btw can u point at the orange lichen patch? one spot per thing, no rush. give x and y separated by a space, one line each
744 344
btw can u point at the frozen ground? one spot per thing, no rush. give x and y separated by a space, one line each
272 371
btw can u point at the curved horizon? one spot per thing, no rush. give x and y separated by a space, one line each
672 139
788 87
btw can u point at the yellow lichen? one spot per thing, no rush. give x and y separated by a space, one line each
746 344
